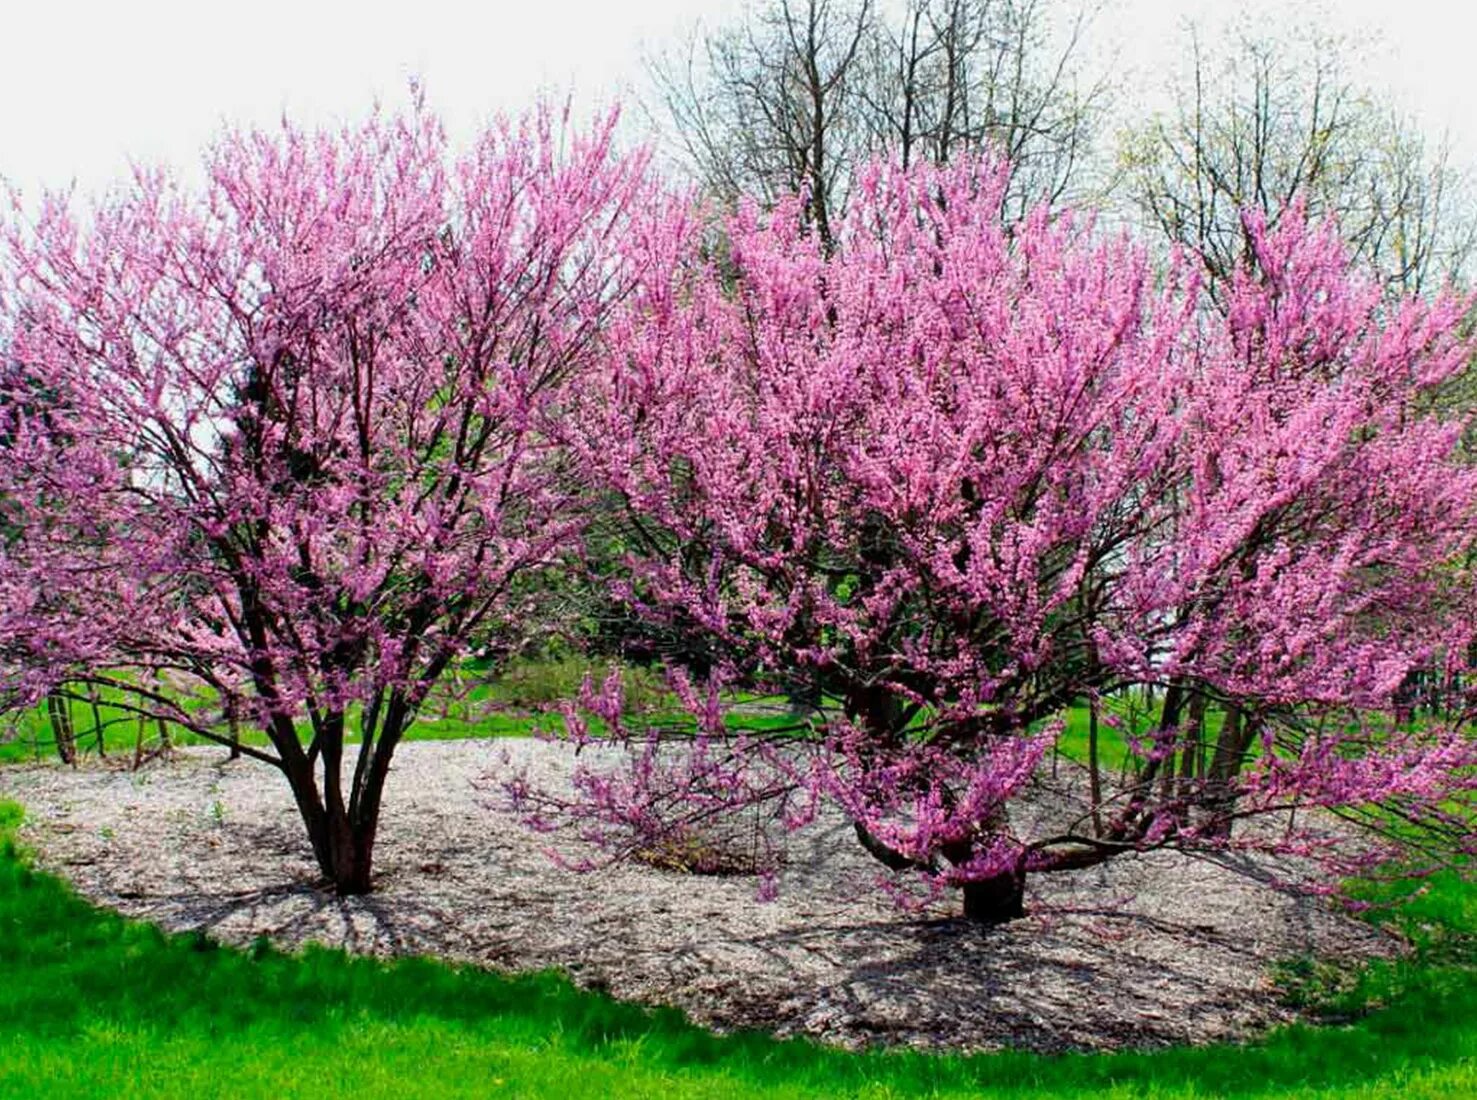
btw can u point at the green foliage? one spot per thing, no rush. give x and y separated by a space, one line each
95 1005
536 685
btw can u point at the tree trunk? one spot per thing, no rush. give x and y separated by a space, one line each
98 733
996 900
1192 755
59 711
343 847
345 854
999 898
1220 787
342 830
1133 817
159 723
1094 773
990 901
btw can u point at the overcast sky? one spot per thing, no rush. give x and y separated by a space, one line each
86 86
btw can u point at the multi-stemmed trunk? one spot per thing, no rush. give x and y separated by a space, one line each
997 898
994 900
344 849
341 832
342 818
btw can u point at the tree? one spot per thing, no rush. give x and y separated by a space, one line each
1261 123
952 78
799 95
307 459
951 476
765 107
36 404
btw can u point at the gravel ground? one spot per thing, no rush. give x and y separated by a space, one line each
1146 951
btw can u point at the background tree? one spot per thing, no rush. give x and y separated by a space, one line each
1260 122
767 107
1264 128
950 78
307 461
797 95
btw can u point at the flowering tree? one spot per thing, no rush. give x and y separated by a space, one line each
293 456
951 477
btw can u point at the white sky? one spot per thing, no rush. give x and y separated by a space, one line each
85 86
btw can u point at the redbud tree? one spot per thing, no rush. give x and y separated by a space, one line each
276 446
950 476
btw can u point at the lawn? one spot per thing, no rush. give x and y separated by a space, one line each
94 1005
522 698
488 710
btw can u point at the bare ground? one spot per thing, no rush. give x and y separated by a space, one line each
1150 950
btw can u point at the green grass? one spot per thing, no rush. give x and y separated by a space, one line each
95 1005
1113 744
30 739
523 697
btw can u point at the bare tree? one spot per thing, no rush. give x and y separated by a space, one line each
952 76
797 94
766 107
1259 124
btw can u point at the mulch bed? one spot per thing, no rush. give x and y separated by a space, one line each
1147 951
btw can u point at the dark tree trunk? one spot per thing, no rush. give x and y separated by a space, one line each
996 900
59 711
1133 818
1220 786
342 819
342 845
1094 773
991 901
159 723
1192 751
98 733
345 853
